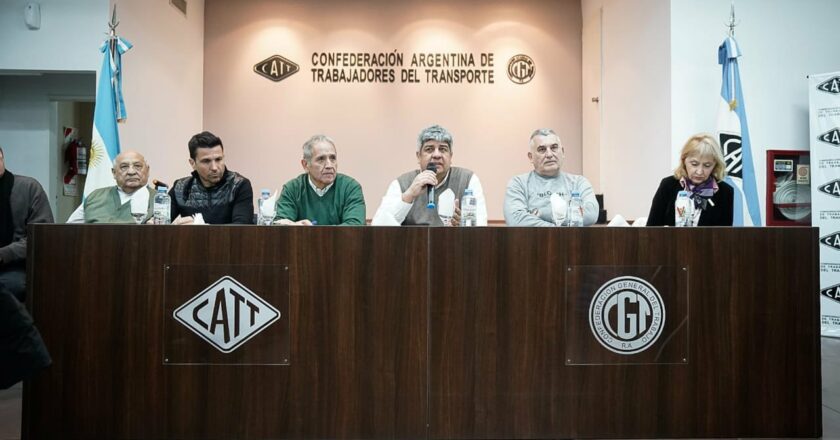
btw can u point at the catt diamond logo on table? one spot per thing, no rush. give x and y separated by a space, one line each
226 314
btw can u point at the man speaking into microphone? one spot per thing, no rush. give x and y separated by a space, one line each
413 198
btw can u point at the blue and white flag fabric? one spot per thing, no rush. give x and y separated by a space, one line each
734 137
109 109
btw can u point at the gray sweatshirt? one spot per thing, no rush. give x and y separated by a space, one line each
530 191
29 205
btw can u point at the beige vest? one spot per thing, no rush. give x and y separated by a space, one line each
103 206
419 214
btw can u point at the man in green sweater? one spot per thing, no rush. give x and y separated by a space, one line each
321 196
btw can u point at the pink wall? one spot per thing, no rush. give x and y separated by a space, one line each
162 82
264 123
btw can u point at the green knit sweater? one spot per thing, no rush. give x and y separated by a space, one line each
343 204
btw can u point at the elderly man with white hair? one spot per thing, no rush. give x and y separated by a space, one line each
113 204
528 196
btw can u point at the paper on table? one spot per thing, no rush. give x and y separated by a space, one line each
198 219
559 206
140 201
618 220
446 206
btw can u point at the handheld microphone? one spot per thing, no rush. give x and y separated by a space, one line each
430 189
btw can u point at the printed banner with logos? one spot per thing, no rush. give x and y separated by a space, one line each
824 100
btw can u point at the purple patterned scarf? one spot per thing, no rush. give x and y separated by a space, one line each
700 193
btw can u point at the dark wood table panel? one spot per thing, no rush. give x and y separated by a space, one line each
497 343
429 332
496 327
361 341
358 336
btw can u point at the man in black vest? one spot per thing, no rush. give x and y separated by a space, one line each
220 195
405 202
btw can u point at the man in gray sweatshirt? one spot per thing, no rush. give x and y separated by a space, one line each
22 201
528 196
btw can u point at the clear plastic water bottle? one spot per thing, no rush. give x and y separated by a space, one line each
575 215
469 209
163 209
263 219
683 210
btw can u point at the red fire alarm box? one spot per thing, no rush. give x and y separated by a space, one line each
788 188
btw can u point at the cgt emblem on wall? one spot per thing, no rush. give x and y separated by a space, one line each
226 314
276 68
521 69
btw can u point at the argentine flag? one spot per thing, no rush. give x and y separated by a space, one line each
109 108
734 138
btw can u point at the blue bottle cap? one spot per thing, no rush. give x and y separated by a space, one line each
431 205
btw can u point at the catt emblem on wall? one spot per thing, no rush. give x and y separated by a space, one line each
276 68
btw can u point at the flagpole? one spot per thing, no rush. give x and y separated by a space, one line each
109 109
112 29
733 132
732 23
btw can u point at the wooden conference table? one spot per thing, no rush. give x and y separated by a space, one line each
375 332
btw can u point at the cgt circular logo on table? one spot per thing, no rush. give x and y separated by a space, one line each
626 315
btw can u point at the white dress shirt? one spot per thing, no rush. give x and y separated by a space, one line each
393 209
